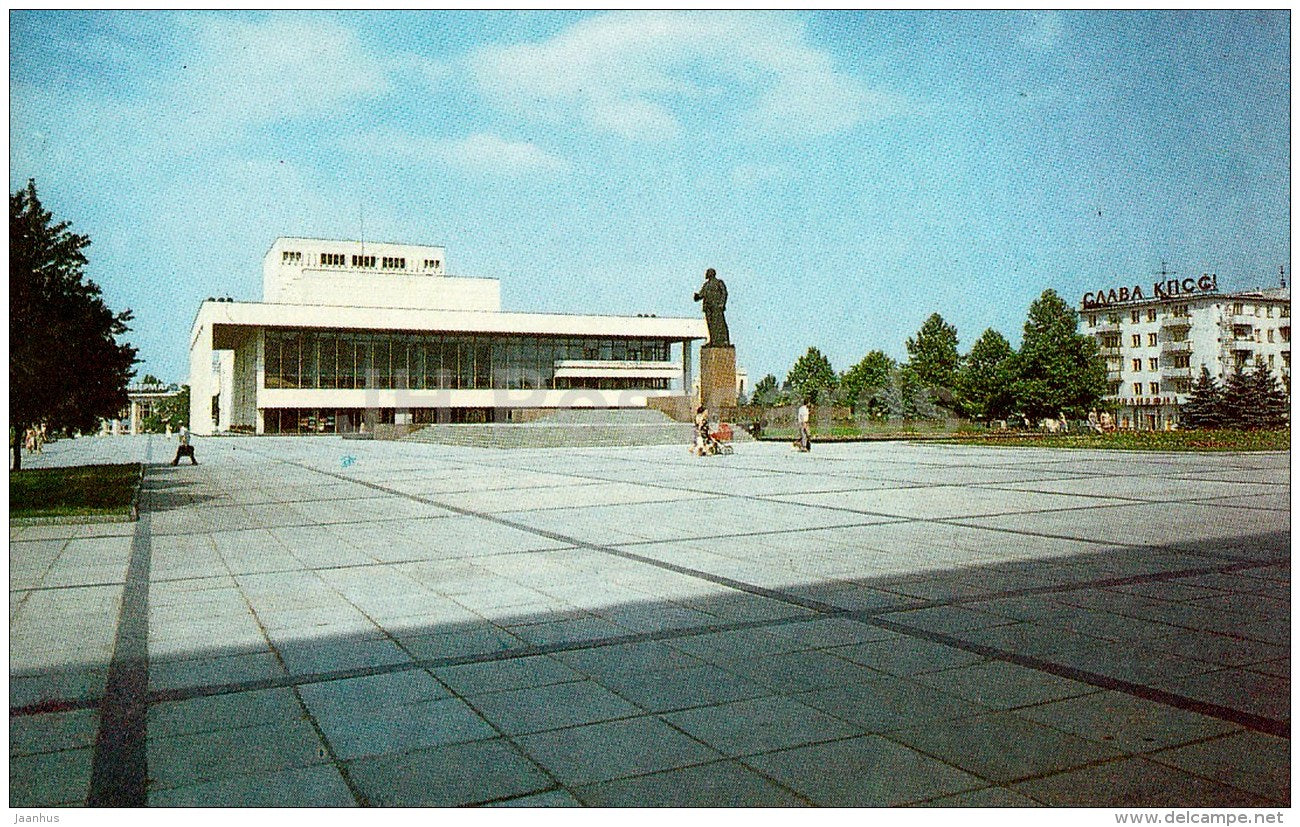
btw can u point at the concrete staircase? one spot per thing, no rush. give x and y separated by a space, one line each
570 429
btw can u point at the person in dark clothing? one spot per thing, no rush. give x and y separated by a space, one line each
184 449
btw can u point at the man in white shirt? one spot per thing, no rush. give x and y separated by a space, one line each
805 440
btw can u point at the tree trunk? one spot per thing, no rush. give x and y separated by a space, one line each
18 450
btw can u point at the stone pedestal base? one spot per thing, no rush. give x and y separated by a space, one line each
717 378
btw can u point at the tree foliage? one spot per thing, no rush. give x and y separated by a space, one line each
812 377
905 399
67 368
765 392
984 382
173 411
869 374
1058 369
933 356
1204 406
1269 405
1252 400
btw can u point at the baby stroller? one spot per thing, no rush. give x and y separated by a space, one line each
720 440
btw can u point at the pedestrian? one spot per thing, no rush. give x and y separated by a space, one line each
805 435
184 448
701 444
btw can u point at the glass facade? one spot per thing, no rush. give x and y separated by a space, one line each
431 361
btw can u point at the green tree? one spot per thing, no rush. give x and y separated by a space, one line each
1252 399
67 368
1238 399
1058 369
932 355
986 378
765 392
1271 407
173 411
869 374
1204 407
904 398
812 376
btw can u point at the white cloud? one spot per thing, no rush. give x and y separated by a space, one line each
480 152
643 74
1043 30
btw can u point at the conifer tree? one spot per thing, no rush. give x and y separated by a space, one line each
1270 406
1204 408
1238 400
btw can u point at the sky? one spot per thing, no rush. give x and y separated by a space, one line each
846 173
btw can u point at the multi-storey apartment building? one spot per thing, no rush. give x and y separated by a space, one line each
1155 343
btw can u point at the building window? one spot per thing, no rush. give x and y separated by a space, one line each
1153 364
1237 309
1183 360
1152 339
1092 320
290 257
1151 315
1270 334
1155 388
1137 388
1136 316
1286 358
1269 311
1270 360
1137 340
333 260
1284 311
1137 365
363 261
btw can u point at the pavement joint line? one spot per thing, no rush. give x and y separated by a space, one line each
1248 720
818 606
890 518
514 653
119 760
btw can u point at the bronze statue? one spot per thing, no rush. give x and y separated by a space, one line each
714 296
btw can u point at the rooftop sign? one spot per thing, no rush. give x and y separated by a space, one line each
1159 290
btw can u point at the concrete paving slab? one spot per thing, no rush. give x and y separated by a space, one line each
613 749
1133 782
422 596
869 772
450 776
718 784
1002 747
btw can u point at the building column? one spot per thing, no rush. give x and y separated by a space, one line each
135 417
686 367
201 382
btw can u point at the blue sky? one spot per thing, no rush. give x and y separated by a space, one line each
847 173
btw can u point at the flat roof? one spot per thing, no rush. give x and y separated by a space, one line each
268 314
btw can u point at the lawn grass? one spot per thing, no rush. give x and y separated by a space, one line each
1216 440
1210 440
77 491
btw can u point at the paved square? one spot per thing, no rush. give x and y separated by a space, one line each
871 624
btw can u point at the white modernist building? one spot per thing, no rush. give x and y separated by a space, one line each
1155 343
354 334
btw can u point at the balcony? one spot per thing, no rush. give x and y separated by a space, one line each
1175 322
1177 373
1185 346
1106 326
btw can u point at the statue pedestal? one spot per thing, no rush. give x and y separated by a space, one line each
717 378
